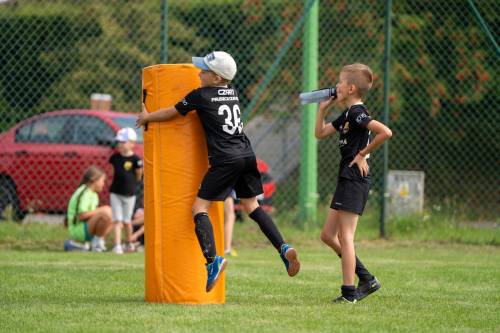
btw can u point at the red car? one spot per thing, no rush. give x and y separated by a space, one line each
42 159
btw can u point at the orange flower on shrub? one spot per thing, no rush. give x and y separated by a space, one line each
460 76
441 89
460 99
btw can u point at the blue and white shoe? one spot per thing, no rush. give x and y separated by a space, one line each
291 259
214 271
71 245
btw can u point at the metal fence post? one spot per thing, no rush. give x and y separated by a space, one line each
385 118
484 26
164 32
308 196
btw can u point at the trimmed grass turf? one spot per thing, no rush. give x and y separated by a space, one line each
426 287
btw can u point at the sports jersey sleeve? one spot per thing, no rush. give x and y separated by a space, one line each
338 122
88 202
189 103
359 116
137 162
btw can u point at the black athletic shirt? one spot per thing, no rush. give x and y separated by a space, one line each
124 178
354 136
219 111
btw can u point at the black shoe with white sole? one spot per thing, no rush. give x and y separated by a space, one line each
342 299
366 288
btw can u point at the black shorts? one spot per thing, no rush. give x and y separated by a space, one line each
350 196
241 175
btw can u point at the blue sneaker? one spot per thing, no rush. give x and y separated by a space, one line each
290 258
214 270
70 245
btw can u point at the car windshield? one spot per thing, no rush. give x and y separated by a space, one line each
129 122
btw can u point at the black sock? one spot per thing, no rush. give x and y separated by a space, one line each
205 234
361 271
348 292
268 227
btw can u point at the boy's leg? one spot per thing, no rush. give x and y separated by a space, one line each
117 237
117 207
330 232
128 232
330 236
353 195
229 218
347 225
128 211
203 228
117 232
288 254
264 221
129 245
205 234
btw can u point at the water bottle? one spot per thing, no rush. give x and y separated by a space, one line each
317 96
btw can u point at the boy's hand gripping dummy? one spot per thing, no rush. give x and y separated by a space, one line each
175 160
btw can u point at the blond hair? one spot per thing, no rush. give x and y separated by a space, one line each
91 175
359 75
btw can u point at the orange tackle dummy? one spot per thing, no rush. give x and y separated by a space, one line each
175 161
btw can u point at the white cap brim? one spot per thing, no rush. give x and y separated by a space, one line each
200 63
120 138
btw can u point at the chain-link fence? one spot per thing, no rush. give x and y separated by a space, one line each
443 92
444 102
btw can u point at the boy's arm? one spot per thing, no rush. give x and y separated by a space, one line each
110 161
139 168
382 133
161 115
138 174
323 130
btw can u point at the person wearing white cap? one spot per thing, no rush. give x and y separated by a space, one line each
232 161
218 62
127 172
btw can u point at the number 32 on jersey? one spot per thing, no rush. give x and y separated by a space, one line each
232 119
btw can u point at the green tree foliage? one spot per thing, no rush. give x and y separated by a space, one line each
35 57
444 70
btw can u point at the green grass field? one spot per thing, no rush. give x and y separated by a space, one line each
426 287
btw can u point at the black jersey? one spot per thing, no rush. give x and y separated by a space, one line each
124 177
354 136
219 112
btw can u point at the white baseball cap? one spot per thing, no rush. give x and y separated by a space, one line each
126 134
219 62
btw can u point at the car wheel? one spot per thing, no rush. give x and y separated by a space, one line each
8 197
